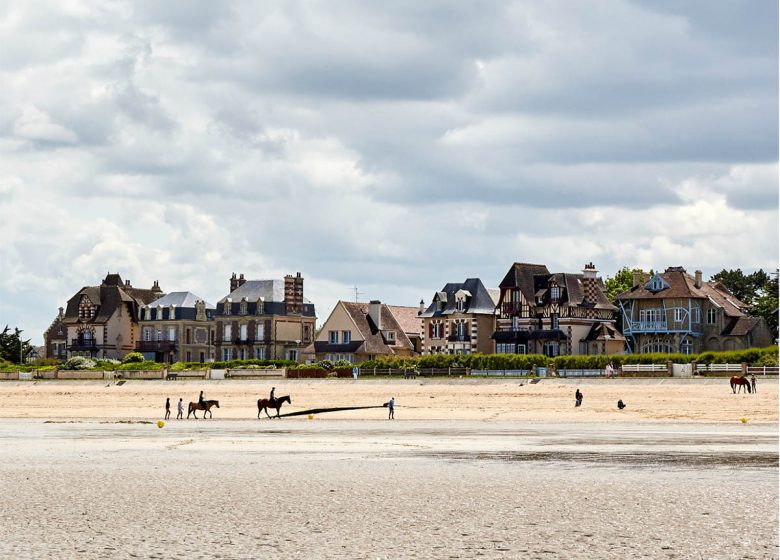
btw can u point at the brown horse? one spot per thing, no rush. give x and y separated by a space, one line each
265 404
205 407
738 383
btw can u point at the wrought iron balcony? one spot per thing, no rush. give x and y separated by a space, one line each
82 344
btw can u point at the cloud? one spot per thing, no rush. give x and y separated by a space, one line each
395 148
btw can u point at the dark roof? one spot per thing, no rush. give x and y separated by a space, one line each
740 326
108 297
481 302
521 275
533 281
600 331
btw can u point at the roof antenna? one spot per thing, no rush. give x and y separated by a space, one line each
357 293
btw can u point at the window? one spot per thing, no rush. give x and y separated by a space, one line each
686 347
226 308
712 316
228 332
172 312
159 313
242 354
292 354
243 333
515 323
261 332
679 314
390 335
346 337
188 356
459 305
521 349
696 315
333 337
551 349
172 334
460 329
306 333
505 348
202 357
159 335
242 307
226 354
188 336
554 321
436 330
260 353
555 294
148 334
260 309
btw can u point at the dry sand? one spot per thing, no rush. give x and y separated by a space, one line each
481 470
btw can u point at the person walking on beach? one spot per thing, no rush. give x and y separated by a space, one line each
167 407
609 371
391 409
180 413
753 382
577 398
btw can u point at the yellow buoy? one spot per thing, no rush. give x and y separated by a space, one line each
160 423
743 420
311 417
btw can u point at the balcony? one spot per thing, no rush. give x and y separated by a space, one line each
156 346
639 327
84 344
510 308
458 338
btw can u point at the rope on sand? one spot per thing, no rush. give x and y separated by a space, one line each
335 409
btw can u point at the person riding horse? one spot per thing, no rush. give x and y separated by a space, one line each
271 398
201 400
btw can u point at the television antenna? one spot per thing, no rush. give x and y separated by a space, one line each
357 293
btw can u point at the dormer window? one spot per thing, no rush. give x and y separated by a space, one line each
159 313
656 284
86 309
260 309
460 305
226 308
172 312
555 294
242 310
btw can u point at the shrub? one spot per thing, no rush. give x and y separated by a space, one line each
133 357
143 365
78 363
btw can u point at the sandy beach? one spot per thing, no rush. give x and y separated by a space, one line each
468 470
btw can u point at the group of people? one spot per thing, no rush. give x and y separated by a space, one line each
180 407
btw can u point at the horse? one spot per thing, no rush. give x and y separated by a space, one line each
738 383
205 407
265 404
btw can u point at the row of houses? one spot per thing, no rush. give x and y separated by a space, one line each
532 311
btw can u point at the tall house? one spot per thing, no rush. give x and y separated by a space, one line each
460 319
676 312
55 339
102 321
178 327
264 319
555 313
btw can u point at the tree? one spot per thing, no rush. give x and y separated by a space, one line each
766 303
622 281
745 287
12 348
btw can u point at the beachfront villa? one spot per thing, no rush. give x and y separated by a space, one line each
357 332
540 312
264 320
102 321
460 319
55 339
178 327
676 312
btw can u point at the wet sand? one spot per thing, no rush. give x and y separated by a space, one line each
597 485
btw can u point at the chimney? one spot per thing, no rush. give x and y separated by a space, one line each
233 283
127 284
375 312
422 307
293 293
638 277
241 280
590 283
155 289
62 312
697 281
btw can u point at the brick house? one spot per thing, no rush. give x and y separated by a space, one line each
460 319
178 327
357 332
55 339
540 312
102 321
264 319
676 312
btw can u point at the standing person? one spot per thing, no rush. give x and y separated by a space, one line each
391 409
753 382
609 371
577 398
167 407
180 414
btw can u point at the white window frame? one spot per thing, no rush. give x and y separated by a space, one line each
227 333
696 315
712 316
171 334
679 315
346 337
555 293
333 337
243 331
159 335
261 330
260 353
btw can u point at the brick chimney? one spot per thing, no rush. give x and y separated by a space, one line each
241 280
156 290
590 283
293 293
233 283
375 312
638 276
697 280
422 307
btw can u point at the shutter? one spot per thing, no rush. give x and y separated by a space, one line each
220 331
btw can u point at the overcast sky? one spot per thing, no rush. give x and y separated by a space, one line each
392 146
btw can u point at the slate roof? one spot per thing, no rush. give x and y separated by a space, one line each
521 275
740 326
180 300
481 301
108 297
683 285
252 290
533 280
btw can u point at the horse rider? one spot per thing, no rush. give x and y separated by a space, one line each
201 400
271 398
